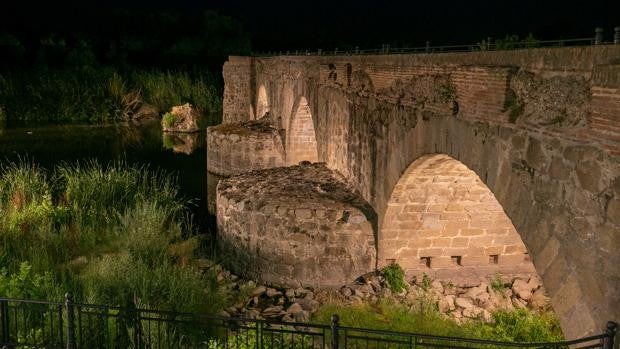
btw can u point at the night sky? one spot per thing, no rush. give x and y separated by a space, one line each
278 25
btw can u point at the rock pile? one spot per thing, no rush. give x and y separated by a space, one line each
471 300
184 118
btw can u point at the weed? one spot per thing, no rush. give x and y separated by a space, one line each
395 277
426 282
498 284
169 119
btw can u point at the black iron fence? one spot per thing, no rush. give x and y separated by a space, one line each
39 324
487 44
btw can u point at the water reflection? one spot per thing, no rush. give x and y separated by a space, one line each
48 145
185 143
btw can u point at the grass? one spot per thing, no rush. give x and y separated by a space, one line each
519 325
103 94
112 234
498 284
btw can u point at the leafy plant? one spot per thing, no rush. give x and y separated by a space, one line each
426 282
497 283
395 277
26 284
169 119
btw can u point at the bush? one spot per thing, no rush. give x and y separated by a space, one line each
395 277
110 234
25 284
169 119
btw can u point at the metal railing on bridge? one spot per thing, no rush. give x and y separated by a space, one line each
485 45
41 324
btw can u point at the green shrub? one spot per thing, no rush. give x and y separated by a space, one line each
395 277
169 119
25 284
497 283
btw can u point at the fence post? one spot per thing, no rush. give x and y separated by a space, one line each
611 330
137 325
70 322
4 315
617 35
598 36
335 331
428 46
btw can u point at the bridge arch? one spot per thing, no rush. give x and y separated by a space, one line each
262 102
557 180
443 221
301 144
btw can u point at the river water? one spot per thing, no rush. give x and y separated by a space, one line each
48 145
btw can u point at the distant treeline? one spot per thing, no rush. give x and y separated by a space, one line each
162 40
101 74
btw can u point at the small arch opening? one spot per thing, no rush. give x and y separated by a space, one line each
301 138
262 103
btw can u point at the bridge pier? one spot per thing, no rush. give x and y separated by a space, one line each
295 226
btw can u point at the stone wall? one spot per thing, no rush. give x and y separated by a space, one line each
553 167
238 90
294 226
240 147
444 222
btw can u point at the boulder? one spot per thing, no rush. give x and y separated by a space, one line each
294 308
260 290
310 305
272 292
446 304
522 289
345 291
273 311
472 312
464 303
539 300
183 118
437 287
302 316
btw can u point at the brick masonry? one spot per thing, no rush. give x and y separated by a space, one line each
442 221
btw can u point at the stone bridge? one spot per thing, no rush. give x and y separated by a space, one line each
540 128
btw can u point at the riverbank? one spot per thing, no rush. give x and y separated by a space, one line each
104 94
